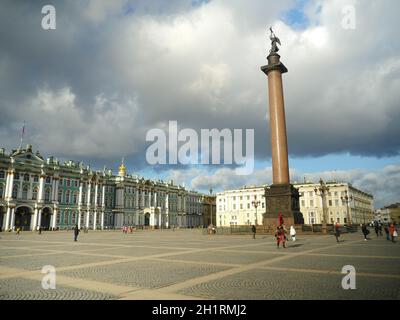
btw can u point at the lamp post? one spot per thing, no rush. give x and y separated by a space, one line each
347 199
323 190
211 213
255 205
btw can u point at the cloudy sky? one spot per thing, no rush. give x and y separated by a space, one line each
112 70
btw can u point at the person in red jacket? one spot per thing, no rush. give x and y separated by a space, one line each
392 230
280 236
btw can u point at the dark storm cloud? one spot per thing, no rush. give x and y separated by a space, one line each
113 70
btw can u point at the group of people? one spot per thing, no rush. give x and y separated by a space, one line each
127 229
280 233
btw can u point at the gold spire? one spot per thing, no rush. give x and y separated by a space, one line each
122 169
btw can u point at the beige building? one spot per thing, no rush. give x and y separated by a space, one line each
238 207
359 207
244 206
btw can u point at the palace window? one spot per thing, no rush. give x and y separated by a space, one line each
75 198
34 193
26 177
73 220
248 206
48 180
25 193
67 196
2 174
68 183
76 183
66 216
336 202
311 203
330 203
47 195
303 203
16 176
60 194
36 178
1 190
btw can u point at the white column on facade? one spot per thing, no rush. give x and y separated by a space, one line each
39 223
184 203
80 194
142 199
10 185
8 216
88 205
54 222
35 219
55 190
12 218
103 205
155 199
7 185
41 189
79 217
96 189
136 197
166 210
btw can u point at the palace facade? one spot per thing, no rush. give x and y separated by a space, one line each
45 192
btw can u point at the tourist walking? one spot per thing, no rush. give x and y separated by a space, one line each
40 230
337 231
387 232
365 231
76 232
280 236
253 230
376 227
293 233
393 232
18 231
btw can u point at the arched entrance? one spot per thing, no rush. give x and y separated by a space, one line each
45 219
147 219
23 216
2 217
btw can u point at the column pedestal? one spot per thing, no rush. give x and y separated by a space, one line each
284 199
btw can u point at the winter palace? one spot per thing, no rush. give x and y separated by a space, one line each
44 192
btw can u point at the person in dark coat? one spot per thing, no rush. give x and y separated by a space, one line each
387 232
365 231
76 232
253 230
376 227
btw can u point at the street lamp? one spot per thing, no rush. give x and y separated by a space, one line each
211 213
347 199
255 205
323 190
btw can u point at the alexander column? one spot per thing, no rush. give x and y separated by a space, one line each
281 197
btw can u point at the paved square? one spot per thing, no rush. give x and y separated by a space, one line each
185 264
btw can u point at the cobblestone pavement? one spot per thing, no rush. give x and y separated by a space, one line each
185 264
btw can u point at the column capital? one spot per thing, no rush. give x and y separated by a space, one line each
274 63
